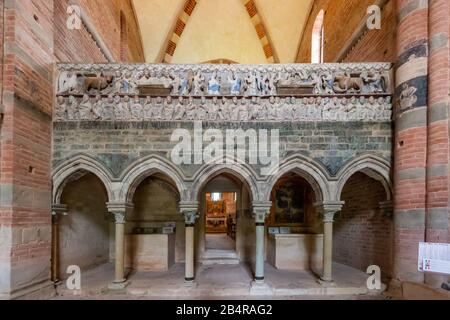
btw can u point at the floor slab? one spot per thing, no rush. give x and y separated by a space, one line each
221 282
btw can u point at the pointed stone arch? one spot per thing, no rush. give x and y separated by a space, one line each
74 169
373 166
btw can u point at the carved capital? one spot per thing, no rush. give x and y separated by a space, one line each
58 210
261 211
190 212
329 209
387 209
119 211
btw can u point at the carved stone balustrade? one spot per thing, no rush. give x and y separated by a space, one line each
236 93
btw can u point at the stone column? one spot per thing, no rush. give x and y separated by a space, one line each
260 212
411 131
190 212
437 206
119 211
328 210
58 210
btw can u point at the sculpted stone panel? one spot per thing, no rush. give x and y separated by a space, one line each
242 109
332 92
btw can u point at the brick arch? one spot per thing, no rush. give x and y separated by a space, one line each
176 31
261 31
76 168
183 18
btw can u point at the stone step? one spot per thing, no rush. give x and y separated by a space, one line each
220 254
220 257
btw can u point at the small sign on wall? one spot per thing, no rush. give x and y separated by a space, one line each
434 257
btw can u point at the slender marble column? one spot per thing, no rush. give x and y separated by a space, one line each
190 212
260 214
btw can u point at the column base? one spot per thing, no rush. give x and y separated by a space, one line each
190 283
260 288
327 283
118 285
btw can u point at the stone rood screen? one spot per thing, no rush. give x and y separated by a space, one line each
227 93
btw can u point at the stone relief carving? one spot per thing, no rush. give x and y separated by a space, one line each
224 80
236 109
241 93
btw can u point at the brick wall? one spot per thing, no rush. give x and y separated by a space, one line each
339 26
362 235
25 180
34 40
79 46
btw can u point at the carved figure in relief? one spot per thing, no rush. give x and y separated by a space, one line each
202 112
169 109
187 83
223 112
408 97
98 83
97 108
234 110
214 84
148 108
85 108
213 109
235 83
191 109
72 111
61 109
180 110
243 111
108 108
137 111
175 81
156 109
199 83
68 83
345 83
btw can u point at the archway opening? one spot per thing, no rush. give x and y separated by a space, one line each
155 228
294 227
225 232
87 218
363 231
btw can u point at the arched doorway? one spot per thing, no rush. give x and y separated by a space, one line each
225 230
363 230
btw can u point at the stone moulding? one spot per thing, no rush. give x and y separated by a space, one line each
297 92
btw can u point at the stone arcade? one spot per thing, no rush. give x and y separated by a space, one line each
339 159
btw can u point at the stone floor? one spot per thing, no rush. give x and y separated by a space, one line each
220 242
224 282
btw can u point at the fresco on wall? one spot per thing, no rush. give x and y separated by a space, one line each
290 203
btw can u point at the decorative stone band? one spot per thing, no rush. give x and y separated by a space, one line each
329 209
225 80
337 92
190 212
57 211
261 211
119 211
236 109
